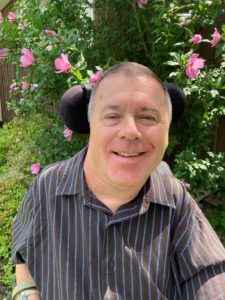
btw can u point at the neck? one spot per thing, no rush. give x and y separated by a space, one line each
111 195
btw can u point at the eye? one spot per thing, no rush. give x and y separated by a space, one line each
112 116
111 119
148 119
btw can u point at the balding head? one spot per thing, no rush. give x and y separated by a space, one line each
129 69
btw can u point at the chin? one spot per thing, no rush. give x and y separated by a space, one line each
128 179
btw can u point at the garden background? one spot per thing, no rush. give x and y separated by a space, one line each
48 46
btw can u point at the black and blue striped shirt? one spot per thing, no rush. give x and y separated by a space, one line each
158 246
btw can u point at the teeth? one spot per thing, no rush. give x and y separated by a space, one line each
126 154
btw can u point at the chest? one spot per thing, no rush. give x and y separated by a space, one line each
127 253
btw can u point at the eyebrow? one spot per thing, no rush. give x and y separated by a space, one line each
113 107
149 109
143 109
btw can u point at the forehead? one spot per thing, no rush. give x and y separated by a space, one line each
122 89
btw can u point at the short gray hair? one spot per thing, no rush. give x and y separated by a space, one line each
130 69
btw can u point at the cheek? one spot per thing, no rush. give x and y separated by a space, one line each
158 137
101 138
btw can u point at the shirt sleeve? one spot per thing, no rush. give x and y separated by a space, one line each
200 259
22 229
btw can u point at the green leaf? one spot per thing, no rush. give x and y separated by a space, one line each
78 75
81 63
90 73
173 74
72 47
98 68
223 28
175 55
43 5
2 241
214 93
179 44
171 63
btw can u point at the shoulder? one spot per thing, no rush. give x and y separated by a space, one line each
55 174
61 168
169 189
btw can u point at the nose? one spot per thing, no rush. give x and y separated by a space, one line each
129 129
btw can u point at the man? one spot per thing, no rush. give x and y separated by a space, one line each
107 224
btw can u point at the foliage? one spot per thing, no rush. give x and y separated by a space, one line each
149 34
203 175
206 177
216 217
22 142
158 34
28 31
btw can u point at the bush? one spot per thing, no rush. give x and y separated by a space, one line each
204 176
47 30
22 142
158 34
216 217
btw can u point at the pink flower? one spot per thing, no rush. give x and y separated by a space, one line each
22 99
12 17
196 39
95 77
1 17
27 58
50 32
68 134
3 53
216 38
33 86
193 66
14 86
62 64
141 3
35 168
25 86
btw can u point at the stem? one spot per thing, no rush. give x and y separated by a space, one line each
140 31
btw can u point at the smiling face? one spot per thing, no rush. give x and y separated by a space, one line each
129 127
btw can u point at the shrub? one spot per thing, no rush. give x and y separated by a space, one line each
55 44
45 31
159 34
23 142
204 175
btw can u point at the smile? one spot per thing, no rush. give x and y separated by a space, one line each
129 154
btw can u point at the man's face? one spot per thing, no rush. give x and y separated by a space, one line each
128 129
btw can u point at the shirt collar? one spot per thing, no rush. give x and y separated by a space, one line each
71 175
157 189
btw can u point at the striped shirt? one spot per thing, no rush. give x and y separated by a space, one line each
158 246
